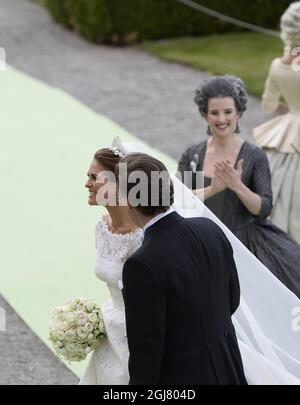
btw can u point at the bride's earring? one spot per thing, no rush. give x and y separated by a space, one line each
209 131
238 128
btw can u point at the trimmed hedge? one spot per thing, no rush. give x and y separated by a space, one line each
128 21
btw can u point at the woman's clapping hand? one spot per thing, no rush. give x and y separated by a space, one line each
227 175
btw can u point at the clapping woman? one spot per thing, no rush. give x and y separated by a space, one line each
237 182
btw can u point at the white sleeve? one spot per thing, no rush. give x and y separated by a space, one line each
271 96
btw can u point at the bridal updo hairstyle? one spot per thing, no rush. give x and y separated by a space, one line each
221 86
106 158
290 26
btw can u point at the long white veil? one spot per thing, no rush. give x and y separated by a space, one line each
267 321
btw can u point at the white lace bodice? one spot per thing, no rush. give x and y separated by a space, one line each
112 252
116 247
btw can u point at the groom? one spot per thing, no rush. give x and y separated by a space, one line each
180 289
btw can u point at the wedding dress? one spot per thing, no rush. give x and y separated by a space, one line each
268 339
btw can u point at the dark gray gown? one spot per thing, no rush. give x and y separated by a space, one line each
273 247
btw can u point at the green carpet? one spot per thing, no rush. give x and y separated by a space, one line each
47 228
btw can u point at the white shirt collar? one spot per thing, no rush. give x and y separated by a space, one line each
157 218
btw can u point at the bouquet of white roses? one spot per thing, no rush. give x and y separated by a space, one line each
76 329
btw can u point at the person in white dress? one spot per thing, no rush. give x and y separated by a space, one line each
116 239
266 331
280 137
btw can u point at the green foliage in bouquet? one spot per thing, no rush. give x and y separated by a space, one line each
125 22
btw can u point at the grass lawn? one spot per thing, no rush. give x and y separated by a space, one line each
247 55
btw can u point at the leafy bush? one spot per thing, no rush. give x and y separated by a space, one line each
127 21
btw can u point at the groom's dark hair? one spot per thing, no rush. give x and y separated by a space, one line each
162 192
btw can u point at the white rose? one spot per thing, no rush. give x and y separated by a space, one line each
60 318
90 307
64 326
81 332
60 335
81 318
56 312
70 335
71 348
70 317
87 350
59 344
81 353
89 327
91 337
71 304
101 326
93 318
53 334
78 300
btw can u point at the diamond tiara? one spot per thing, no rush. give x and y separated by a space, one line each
117 147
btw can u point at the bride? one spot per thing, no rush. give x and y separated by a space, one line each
116 239
266 322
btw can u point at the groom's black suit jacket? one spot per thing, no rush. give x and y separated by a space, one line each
180 290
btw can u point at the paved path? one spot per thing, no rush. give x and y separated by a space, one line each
149 98
25 359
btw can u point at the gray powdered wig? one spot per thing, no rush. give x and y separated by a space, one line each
290 26
221 86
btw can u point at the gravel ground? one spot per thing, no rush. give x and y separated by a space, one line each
25 359
150 98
